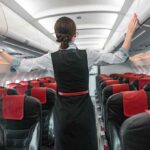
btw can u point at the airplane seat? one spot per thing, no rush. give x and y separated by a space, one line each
140 83
147 87
5 91
47 98
125 80
21 89
121 106
12 85
103 85
43 80
20 123
35 83
109 91
100 80
121 79
24 82
114 76
51 79
135 132
52 86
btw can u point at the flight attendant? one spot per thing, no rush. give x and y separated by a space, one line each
74 118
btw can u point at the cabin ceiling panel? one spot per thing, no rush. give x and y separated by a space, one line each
86 21
90 43
41 8
95 19
87 26
94 33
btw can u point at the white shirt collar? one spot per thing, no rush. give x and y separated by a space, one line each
71 46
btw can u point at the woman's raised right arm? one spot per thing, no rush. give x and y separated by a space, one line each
6 56
27 65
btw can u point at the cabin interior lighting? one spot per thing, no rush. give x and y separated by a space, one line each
38 9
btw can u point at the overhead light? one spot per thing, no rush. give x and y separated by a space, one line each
79 17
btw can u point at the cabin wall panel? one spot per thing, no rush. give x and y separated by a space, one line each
121 68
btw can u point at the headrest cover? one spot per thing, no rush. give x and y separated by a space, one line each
110 82
13 107
134 102
3 91
39 93
21 89
43 80
133 78
142 82
35 83
120 88
24 82
11 85
51 85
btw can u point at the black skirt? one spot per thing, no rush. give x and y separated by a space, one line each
74 123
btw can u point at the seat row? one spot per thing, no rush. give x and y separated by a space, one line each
120 99
26 120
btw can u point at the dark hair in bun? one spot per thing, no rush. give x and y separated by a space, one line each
65 29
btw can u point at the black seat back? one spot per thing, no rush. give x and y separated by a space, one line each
20 123
21 89
47 98
122 106
104 84
4 91
109 91
135 132
147 87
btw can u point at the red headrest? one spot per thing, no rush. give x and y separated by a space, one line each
21 89
134 102
24 82
13 107
110 82
3 91
140 75
120 88
146 76
39 93
43 80
34 80
142 82
132 78
129 73
35 83
11 85
51 85
50 78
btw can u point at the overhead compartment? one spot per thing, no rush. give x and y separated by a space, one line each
141 7
15 27
3 23
141 39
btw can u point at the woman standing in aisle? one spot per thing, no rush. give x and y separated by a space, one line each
74 118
